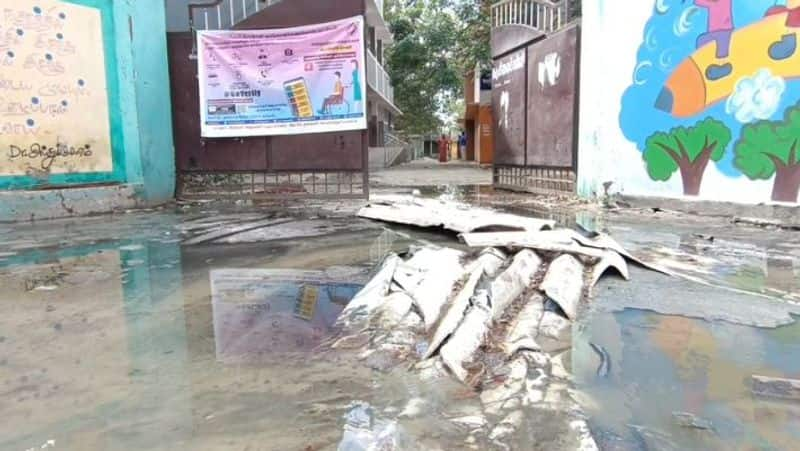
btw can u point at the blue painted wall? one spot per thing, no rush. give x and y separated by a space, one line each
134 33
147 40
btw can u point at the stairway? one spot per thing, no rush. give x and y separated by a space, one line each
393 152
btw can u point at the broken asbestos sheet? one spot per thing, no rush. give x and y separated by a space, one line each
453 216
492 320
496 319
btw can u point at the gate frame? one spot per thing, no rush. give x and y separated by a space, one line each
234 183
516 26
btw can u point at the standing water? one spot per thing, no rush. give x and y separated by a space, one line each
661 382
203 331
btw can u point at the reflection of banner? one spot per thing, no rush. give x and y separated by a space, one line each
288 81
257 311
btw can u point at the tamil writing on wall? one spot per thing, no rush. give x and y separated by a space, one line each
53 96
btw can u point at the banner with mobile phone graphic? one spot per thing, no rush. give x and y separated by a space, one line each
288 81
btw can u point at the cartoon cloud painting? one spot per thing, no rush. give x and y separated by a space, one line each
704 71
700 81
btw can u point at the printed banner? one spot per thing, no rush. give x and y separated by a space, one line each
53 95
287 81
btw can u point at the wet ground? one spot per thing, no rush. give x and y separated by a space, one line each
429 172
196 328
691 344
638 368
116 334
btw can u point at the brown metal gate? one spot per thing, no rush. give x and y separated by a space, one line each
535 96
314 165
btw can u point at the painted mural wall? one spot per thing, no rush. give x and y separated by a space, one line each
691 98
54 114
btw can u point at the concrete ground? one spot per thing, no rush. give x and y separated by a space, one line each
164 329
429 172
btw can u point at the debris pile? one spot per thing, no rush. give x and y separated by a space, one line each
453 216
779 388
498 318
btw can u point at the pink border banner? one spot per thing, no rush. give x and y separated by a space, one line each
288 81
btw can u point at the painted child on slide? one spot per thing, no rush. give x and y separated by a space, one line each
720 30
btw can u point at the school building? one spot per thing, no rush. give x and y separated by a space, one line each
100 108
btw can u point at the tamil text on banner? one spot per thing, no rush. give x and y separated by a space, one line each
286 81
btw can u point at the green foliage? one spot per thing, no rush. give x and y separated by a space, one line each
436 43
473 41
665 152
660 163
765 144
754 149
716 134
418 62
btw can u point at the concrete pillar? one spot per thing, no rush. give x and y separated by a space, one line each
142 47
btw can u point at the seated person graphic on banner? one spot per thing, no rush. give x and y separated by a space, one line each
336 98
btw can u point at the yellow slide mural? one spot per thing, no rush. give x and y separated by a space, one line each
716 90
691 89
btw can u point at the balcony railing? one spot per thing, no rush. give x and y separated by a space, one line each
546 16
378 79
224 14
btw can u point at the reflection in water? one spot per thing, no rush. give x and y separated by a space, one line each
109 344
273 311
93 343
140 343
771 269
663 365
774 274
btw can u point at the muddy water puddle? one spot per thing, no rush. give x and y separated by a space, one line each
201 331
121 336
658 382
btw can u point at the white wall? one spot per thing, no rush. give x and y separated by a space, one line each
616 38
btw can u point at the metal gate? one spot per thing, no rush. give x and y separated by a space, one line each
535 47
326 165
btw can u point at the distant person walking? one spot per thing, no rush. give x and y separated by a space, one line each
444 149
462 145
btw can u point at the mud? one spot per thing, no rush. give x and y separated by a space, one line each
110 338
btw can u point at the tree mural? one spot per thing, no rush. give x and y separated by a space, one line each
770 148
688 149
732 60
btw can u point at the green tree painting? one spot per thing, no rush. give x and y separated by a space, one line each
768 149
688 149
